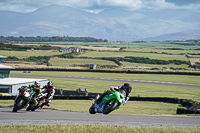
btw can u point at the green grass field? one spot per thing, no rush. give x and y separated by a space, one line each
154 50
142 66
146 51
143 90
157 45
61 62
26 54
68 62
123 54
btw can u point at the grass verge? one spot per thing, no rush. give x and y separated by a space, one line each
93 129
131 108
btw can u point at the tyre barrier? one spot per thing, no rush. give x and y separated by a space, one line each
69 97
7 97
157 99
186 103
75 93
187 111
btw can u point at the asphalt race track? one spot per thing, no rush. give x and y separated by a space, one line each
115 80
44 117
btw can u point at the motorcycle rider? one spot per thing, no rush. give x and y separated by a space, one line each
49 89
36 90
126 87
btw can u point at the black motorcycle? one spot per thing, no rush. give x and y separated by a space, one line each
22 99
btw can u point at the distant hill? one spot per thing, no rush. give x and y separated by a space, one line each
186 35
110 24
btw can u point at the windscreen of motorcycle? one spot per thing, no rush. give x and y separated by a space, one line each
122 92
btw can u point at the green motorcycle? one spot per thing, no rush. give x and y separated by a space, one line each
109 103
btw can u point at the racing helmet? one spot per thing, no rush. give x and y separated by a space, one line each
49 85
127 87
37 85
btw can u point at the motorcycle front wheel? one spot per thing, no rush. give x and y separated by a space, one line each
110 107
92 109
18 105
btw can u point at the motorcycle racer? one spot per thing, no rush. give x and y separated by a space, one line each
36 90
126 87
50 91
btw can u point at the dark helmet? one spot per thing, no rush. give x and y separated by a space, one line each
50 85
127 87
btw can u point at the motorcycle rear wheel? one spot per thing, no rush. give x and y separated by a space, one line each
33 108
29 107
37 106
110 107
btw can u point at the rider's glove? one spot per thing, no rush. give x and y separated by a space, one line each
123 101
113 88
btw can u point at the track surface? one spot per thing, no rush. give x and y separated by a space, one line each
115 80
43 117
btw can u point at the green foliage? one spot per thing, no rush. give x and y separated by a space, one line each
12 58
39 59
11 47
143 60
81 62
122 48
50 39
186 43
116 60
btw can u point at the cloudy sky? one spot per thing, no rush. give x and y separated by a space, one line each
95 6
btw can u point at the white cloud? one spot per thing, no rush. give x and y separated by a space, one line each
162 4
92 5
157 4
133 4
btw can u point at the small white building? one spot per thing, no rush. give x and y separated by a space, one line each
69 50
11 85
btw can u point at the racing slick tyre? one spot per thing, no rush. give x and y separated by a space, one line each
92 109
33 108
18 105
29 108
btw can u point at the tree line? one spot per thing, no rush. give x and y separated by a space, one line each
11 47
50 39
144 60
117 60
